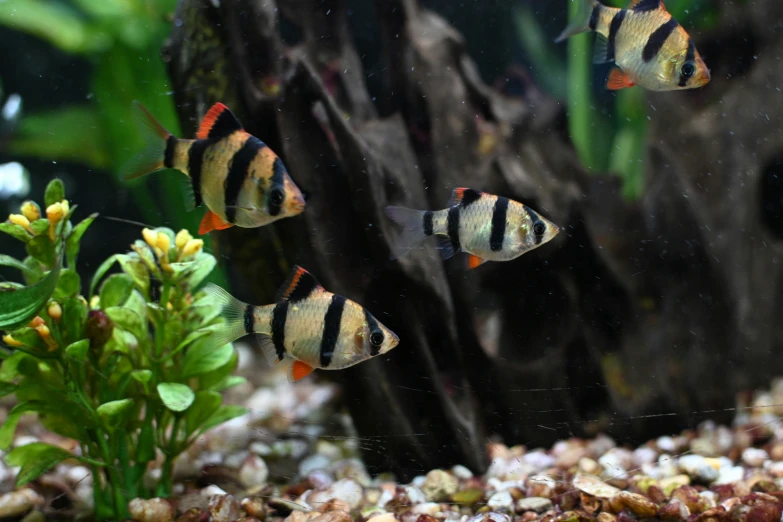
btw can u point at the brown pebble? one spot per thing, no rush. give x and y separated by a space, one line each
528 516
674 510
248 519
716 514
591 504
640 505
301 516
224 508
776 451
334 504
606 517
575 516
194 515
724 491
764 513
426 518
689 496
255 507
656 494
625 516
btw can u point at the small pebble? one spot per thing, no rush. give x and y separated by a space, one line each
490 516
427 508
500 501
461 472
151 510
253 471
194 515
536 504
224 508
540 486
754 457
729 475
439 485
19 502
346 490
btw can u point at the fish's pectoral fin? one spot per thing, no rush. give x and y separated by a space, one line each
646 5
218 122
299 285
299 371
601 49
212 221
269 350
618 80
474 261
445 247
188 194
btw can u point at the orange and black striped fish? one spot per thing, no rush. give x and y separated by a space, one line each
648 47
488 227
239 178
307 328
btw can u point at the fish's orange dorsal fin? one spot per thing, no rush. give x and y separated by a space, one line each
618 80
475 261
463 196
299 285
219 122
646 5
300 370
211 222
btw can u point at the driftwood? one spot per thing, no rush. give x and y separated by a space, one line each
661 306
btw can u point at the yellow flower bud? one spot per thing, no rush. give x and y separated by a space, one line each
55 311
163 242
193 247
54 212
183 236
18 219
150 236
66 207
31 210
10 341
36 322
46 335
94 302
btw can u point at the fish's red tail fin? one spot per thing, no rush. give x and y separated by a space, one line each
157 139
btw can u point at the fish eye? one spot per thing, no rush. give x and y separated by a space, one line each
539 228
376 339
276 196
688 69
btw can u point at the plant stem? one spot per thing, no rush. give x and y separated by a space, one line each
120 506
164 486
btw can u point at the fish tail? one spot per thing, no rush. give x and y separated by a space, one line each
234 313
413 230
159 142
582 21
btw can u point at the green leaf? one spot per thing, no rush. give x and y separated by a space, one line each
209 379
73 319
203 357
70 284
114 413
128 320
136 303
15 231
18 307
35 459
15 263
55 191
228 382
143 377
204 405
194 272
64 423
8 428
9 369
77 351
40 226
135 267
73 242
121 341
116 290
105 266
7 388
42 249
176 397
223 414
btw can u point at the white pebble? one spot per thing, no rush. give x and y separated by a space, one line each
461 472
253 472
313 463
754 457
729 475
500 501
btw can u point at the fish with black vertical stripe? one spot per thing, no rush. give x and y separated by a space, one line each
647 46
307 328
485 226
237 176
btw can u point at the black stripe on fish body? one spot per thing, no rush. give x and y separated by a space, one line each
168 154
372 325
331 333
195 165
469 196
249 318
237 173
427 222
225 125
647 5
614 28
498 232
452 227
534 219
594 17
690 55
279 315
276 194
657 39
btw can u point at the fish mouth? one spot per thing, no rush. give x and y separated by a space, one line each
703 78
394 341
297 206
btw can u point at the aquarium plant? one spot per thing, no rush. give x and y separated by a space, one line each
127 370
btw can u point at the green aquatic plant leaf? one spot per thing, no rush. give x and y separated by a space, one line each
194 272
39 226
42 249
228 382
204 405
69 285
15 231
35 459
116 290
101 271
77 351
73 243
114 414
176 397
15 263
73 319
135 267
203 357
128 320
32 341
223 414
18 307
55 192
8 429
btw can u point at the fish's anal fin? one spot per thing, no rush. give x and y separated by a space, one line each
188 194
474 261
299 371
618 80
268 349
445 247
646 5
464 196
600 49
211 222
219 122
299 285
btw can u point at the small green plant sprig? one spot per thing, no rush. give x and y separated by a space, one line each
129 372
